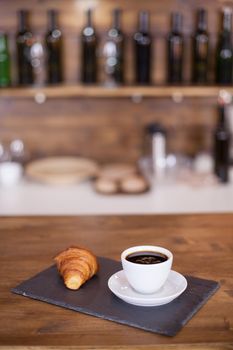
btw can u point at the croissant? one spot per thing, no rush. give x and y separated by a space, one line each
76 265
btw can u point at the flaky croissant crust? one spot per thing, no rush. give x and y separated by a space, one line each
76 265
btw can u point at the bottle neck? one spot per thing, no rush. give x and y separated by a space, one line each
202 20
227 20
222 117
176 23
144 25
89 18
23 20
116 19
3 42
52 20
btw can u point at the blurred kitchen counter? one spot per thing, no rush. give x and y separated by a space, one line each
28 198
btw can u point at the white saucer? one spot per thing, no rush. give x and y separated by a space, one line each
173 287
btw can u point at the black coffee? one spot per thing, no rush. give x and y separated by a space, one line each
146 257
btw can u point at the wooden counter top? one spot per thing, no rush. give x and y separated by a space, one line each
202 246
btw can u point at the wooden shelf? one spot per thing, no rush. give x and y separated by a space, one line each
134 92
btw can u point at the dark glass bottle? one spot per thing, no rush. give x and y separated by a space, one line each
200 49
142 43
175 44
24 42
53 42
88 51
114 51
224 64
222 147
5 78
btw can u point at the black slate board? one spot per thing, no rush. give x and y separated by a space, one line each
94 298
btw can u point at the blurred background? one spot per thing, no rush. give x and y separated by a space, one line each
128 96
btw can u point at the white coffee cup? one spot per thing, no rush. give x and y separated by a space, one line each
146 278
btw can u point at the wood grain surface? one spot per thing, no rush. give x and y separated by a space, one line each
104 129
133 92
202 246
